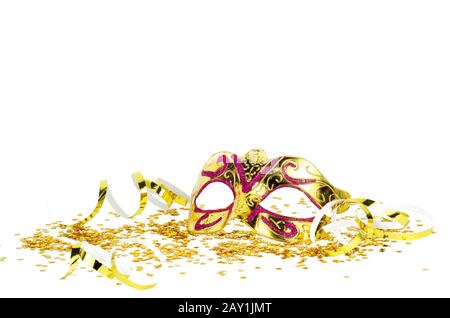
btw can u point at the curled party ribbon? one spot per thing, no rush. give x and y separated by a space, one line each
159 188
94 258
166 191
79 253
390 225
179 196
141 184
101 199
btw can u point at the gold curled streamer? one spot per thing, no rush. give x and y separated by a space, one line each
143 186
124 278
368 230
101 199
164 193
181 200
400 217
180 197
74 259
364 229
79 254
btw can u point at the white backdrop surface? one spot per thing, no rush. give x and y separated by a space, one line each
100 89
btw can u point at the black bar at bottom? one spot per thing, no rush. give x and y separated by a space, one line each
212 307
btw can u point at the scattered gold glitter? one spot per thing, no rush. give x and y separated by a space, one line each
425 269
182 273
179 247
2 258
346 276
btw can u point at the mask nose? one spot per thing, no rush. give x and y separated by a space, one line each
241 208
244 205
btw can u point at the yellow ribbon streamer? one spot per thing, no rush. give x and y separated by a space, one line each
80 254
101 199
124 278
144 186
165 191
141 184
368 230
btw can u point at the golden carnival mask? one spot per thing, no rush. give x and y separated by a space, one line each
252 178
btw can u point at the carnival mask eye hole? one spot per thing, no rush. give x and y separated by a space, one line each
215 196
291 202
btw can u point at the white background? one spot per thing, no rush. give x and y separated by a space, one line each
100 89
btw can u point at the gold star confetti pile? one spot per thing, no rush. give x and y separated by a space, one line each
167 229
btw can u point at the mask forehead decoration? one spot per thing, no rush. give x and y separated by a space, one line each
252 178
